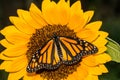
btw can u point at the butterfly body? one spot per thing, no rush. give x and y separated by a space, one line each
60 50
56 41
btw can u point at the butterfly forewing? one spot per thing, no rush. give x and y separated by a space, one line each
60 50
88 48
76 49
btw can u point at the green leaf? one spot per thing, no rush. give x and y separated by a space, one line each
113 49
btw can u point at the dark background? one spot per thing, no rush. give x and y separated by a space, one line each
106 10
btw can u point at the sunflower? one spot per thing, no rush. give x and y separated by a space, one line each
34 28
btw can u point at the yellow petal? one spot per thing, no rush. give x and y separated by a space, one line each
101 41
37 16
76 76
76 22
79 74
72 76
17 75
88 15
16 50
89 61
86 18
87 34
84 33
92 37
14 36
82 73
91 77
9 29
27 17
95 26
76 17
68 2
26 77
64 12
101 49
17 38
102 58
4 57
4 63
103 68
22 25
17 65
103 34
76 7
93 70
45 3
5 43
37 77
50 13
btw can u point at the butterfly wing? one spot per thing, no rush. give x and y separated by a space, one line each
45 58
73 49
60 50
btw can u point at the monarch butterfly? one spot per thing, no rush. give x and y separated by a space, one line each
60 50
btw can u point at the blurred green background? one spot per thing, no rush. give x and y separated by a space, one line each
106 10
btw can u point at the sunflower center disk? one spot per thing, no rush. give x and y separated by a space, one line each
41 37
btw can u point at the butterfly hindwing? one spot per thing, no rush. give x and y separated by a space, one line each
60 50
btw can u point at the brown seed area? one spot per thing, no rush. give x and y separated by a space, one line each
41 37
61 73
